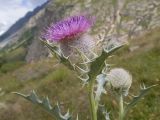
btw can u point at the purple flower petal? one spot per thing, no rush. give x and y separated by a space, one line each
68 28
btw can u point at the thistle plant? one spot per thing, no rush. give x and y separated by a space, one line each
70 41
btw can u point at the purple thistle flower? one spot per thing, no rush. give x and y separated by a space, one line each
68 28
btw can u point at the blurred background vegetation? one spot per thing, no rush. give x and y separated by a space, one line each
49 78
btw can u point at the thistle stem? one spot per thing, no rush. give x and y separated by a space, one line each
121 109
93 104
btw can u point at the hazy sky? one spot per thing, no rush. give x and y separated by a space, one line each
12 10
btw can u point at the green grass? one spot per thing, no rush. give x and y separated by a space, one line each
11 66
14 55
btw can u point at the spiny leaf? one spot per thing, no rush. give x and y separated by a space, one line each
98 65
84 78
101 81
84 57
104 112
45 104
55 50
143 91
83 67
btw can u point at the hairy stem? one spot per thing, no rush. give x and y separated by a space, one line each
93 104
121 109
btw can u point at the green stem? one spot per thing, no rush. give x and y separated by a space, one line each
121 109
93 104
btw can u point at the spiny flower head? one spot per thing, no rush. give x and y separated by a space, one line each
120 78
68 28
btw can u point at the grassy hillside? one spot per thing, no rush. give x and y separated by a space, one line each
50 78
